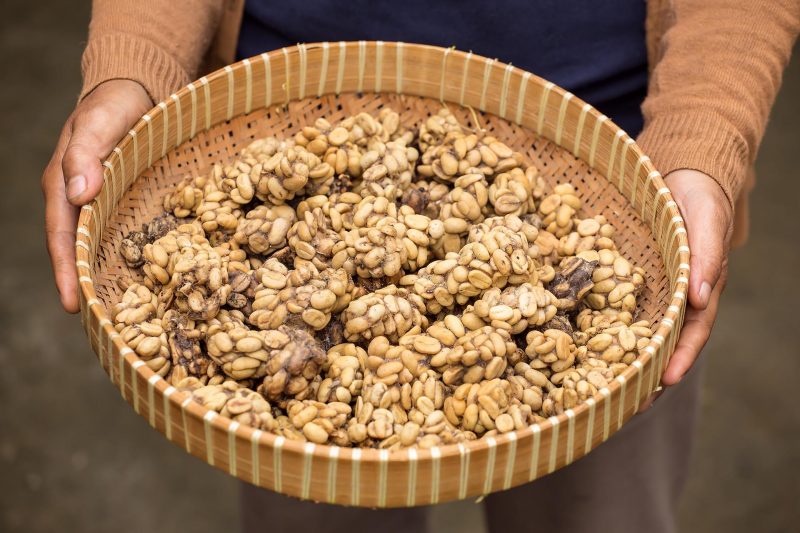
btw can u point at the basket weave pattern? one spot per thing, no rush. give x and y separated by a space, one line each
212 119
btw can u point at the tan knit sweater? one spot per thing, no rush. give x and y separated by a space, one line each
716 66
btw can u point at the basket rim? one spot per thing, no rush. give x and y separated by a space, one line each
182 400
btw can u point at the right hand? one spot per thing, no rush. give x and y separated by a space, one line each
74 175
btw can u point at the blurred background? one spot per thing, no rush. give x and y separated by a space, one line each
75 457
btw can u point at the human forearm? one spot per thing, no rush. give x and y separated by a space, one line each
138 52
157 43
717 72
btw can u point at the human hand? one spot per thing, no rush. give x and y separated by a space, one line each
708 216
709 225
74 175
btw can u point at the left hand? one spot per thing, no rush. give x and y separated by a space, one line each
709 225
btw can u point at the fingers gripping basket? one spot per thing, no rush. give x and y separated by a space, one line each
276 93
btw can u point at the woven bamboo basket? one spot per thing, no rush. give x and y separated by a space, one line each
213 118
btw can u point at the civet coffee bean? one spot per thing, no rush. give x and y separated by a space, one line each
369 283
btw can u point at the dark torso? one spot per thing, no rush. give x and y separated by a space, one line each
594 49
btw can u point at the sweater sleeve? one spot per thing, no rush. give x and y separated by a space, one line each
718 69
158 43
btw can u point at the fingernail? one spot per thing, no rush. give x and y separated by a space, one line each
705 293
657 393
76 186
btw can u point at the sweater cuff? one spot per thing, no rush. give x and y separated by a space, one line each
119 56
698 141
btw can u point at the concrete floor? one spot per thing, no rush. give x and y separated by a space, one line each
75 457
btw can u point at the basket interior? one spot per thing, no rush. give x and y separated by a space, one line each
143 200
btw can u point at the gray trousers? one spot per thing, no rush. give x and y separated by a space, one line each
629 484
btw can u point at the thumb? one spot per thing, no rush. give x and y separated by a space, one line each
95 131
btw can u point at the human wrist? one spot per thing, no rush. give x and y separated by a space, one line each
701 141
120 56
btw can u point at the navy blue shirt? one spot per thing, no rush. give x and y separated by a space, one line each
595 49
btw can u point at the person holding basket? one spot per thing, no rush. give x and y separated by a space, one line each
692 80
